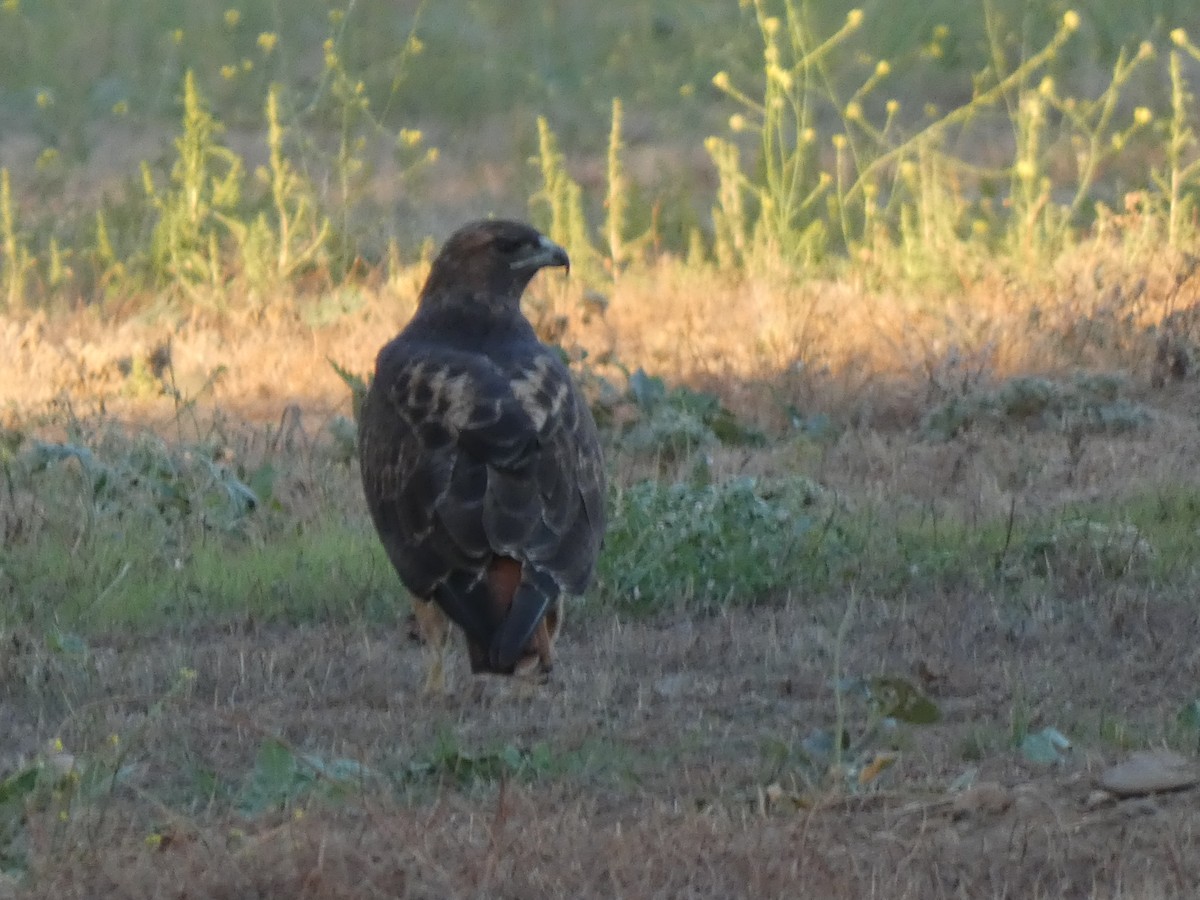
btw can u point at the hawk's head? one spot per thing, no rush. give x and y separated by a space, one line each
493 260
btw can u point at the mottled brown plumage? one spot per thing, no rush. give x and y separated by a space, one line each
480 460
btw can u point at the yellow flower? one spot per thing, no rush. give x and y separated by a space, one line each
737 122
771 25
267 41
232 17
839 141
1046 88
687 90
121 108
783 77
44 99
415 45
229 72
980 227
808 135
883 68
46 159
12 6
853 111
1026 169
431 155
721 80
1179 37
908 170
1142 115
893 107
1070 20
854 18
941 32
410 137
336 16
1145 50
177 36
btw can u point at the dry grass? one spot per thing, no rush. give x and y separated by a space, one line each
664 759
846 347
660 771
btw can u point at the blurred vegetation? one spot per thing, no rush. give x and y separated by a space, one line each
920 138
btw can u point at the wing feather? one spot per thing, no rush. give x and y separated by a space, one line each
465 458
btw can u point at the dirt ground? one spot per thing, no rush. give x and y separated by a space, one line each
656 780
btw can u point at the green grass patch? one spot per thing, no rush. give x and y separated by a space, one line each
118 531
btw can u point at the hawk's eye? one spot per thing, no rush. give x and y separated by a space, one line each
507 244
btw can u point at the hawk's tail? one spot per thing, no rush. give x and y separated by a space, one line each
529 604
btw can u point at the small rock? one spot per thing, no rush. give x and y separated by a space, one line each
1148 772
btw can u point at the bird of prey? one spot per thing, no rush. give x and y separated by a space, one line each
481 464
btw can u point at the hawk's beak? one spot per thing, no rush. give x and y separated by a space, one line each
546 253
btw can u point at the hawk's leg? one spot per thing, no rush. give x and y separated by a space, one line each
436 632
542 641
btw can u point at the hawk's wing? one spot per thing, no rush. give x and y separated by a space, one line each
464 460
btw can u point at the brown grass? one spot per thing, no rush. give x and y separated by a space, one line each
854 347
669 791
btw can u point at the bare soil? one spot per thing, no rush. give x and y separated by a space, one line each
661 780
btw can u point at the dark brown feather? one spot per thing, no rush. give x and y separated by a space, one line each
480 460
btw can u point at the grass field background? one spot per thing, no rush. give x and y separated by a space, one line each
887 315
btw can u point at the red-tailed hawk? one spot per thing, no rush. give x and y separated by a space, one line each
480 460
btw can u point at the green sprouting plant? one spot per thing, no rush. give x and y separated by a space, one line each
1177 179
673 423
740 541
875 186
558 206
17 261
344 97
561 199
283 777
1038 225
622 248
1087 404
870 717
292 233
784 216
203 197
449 760
617 202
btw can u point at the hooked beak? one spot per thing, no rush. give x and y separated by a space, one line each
545 254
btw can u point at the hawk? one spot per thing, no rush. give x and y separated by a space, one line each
480 460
